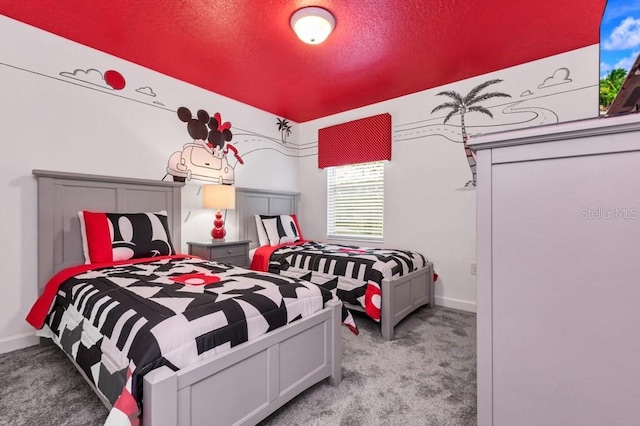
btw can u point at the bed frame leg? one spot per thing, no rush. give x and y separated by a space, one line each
43 342
386 314
387 332
336 342
431 284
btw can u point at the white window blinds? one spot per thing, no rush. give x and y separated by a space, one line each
355 201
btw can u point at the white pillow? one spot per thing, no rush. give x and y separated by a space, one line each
271 228
263 240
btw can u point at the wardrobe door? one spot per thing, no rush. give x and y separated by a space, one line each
566 291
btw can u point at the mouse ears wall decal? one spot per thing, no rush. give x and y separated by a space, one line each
205 157
220 132
218 123
196 127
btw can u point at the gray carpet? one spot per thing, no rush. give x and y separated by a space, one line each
426 376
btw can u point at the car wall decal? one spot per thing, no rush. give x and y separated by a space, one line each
205 158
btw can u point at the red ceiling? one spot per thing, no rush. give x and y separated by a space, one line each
380 49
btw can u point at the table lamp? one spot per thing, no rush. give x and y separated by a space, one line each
218 197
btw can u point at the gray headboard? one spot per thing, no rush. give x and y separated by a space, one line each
61 195
261 201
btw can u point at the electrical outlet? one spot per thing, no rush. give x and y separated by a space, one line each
474 268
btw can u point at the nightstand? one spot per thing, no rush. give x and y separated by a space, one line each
233 252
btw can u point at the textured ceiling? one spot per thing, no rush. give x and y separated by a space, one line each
380 49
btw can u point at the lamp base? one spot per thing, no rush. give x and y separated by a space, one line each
218 232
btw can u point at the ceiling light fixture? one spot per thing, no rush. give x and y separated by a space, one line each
312 24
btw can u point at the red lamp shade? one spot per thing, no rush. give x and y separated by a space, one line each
218 197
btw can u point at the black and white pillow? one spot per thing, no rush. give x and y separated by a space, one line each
111 237
280 229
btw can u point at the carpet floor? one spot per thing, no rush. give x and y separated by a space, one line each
426 376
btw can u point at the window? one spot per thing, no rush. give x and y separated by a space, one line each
355 201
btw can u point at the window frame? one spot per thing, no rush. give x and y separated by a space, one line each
375 200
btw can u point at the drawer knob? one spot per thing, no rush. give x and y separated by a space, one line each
229 252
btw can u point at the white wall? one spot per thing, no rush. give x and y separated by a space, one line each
427 207
52 122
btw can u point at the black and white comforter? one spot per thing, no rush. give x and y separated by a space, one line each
119 323
355 274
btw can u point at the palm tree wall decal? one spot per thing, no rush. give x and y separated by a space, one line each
285 129
463 105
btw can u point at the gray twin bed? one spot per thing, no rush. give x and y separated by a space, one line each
246 383
240 386
400 296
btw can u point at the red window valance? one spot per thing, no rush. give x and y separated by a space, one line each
359 141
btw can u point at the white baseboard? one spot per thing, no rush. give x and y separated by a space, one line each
463 305
18 341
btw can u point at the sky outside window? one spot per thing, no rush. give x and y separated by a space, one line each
619 35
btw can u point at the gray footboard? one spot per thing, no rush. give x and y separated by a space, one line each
246 384
402 296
